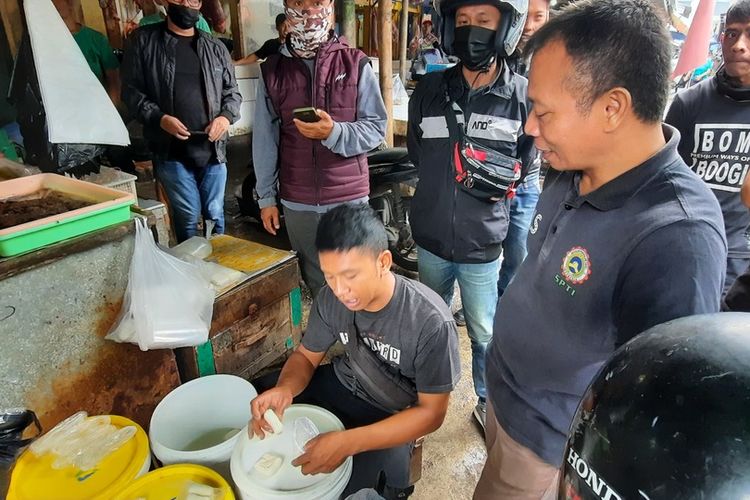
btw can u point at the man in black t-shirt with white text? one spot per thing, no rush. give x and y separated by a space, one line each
713 118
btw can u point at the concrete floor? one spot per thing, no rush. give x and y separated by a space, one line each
453 456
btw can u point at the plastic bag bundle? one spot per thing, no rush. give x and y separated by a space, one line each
399 92
81 442
197 248
194 247
168 302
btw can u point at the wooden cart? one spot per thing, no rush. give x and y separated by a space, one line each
257 323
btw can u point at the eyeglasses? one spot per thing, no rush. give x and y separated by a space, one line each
193 4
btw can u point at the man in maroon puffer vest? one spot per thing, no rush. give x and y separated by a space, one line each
315 165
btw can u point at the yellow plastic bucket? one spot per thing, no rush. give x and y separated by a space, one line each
34 478
170 482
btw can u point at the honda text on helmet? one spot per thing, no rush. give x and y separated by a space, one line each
478 47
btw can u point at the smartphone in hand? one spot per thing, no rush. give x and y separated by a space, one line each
307 115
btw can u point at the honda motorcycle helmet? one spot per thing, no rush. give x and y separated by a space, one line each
508 33
667 417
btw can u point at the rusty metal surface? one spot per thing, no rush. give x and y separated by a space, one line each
53 356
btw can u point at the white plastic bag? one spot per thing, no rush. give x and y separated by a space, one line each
399 92
168 302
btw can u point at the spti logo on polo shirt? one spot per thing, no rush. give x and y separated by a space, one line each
576 268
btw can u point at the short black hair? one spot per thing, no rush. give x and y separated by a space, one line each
614 43
280 19
350 226
739 12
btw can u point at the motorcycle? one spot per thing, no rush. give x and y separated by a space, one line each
392 179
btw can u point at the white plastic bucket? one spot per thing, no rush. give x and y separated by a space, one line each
200 422
288 483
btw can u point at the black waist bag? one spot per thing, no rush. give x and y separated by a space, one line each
392 391
483 172
480 171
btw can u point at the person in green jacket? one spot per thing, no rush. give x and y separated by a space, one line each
95 48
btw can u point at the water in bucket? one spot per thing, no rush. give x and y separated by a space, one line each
211 438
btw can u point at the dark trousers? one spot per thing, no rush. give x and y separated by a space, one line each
325 390
302 228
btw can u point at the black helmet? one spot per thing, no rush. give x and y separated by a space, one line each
667 417
508 33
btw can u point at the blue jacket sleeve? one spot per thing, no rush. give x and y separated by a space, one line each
265 148
678 270
354 138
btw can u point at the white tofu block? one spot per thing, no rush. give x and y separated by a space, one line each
269 464
196 491
273 421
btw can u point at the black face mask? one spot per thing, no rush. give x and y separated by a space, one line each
475 46
184 17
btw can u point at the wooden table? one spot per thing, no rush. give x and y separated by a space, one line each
256 323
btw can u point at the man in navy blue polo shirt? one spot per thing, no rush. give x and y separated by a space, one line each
625 236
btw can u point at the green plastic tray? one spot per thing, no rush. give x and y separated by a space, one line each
114 207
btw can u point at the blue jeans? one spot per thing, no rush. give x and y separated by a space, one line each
522 208
193 193
478 286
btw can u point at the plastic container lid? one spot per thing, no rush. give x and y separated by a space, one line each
34 478
169 482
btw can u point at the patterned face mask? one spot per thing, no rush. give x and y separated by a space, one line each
309 29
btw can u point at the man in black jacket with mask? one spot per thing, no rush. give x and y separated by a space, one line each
179 82
458 229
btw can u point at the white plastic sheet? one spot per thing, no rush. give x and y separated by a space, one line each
78 109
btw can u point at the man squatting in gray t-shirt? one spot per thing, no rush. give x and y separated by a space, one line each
392 390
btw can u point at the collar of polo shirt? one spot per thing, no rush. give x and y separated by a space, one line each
616 192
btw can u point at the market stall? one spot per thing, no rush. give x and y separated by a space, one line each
59 302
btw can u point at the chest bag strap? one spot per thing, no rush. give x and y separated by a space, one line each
391 390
